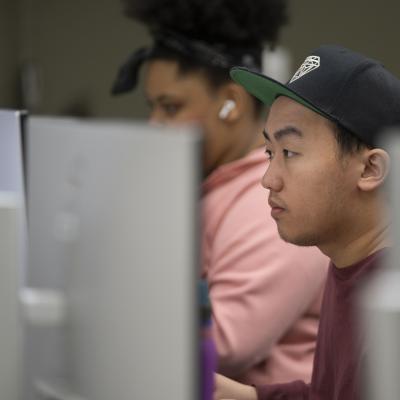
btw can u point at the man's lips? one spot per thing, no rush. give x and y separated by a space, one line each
276 207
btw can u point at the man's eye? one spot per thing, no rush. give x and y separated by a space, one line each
288 153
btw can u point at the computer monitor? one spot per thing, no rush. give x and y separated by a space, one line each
11 151
113 224
12 251
10 316
380 299
12 176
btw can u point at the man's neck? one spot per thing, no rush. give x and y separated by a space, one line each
356 249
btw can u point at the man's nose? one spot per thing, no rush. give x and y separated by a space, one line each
272 179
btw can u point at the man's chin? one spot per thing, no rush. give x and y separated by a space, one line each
296 238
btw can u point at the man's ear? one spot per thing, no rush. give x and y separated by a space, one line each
376 166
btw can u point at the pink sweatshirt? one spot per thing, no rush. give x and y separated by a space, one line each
265 293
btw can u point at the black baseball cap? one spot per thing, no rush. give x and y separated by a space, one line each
346 87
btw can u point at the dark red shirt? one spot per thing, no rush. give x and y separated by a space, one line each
338 356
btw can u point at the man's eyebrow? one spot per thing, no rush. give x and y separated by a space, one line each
287 130
266 135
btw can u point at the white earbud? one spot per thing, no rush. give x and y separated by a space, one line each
228 106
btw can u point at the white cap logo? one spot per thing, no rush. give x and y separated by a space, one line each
310 63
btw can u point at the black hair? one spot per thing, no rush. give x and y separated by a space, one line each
227 23
347 141
232 22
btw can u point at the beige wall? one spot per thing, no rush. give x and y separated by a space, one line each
370 27
9 36
77 46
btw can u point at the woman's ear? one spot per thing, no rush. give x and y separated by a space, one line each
376 166
231 108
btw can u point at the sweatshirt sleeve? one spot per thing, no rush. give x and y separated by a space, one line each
296 390
259 284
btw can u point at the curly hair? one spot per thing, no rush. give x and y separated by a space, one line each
235 22
237 26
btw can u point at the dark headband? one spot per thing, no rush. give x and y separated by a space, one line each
214 56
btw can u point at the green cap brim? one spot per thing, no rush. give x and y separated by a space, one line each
266 89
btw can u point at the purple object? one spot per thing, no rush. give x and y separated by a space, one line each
208 356
208 363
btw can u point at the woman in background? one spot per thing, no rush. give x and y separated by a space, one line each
265 293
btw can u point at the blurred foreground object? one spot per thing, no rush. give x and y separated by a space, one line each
11 337
381 302
113 247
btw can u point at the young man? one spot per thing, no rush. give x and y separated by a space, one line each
325 179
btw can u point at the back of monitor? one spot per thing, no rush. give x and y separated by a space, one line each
12 252
113 225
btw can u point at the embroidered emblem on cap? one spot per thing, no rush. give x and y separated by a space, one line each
310 63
